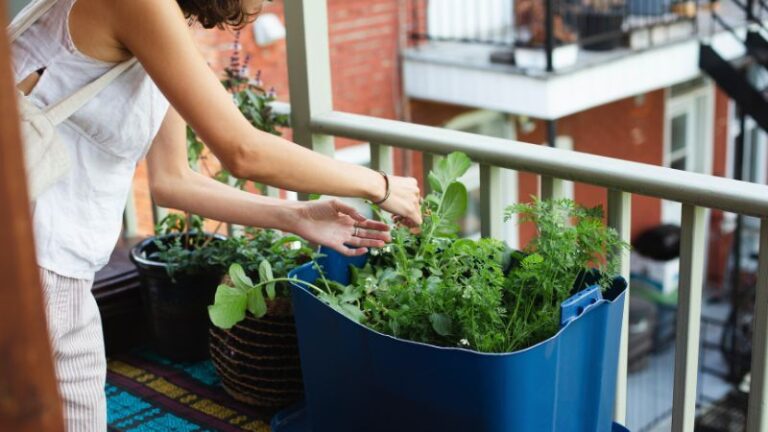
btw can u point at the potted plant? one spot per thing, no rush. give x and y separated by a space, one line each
179 273
253 338
182 265
600 24
439 333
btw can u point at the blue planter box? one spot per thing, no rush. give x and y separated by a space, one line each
357 379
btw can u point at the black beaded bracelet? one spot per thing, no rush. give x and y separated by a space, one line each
386 194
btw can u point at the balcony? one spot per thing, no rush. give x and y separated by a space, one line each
534 91
522 60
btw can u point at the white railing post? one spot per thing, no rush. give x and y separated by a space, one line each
552 188
381 158
620 219
491 202
757 416
692 249
309 70
428 161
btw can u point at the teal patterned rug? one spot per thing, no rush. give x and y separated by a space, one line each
148 393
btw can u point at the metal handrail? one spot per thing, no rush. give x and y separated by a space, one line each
666 183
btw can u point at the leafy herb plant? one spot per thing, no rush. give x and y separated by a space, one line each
436 288
262 256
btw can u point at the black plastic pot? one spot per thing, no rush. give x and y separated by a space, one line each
176 308
601 31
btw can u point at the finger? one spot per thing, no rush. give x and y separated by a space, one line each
348 210
365 242
415 217
350 252
375 235
373 225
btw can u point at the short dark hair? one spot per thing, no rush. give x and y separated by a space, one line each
217 13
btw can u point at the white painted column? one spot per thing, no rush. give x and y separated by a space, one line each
692 248
757 416
620 219
309 70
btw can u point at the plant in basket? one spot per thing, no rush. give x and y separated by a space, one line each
458 334
253 340
182 265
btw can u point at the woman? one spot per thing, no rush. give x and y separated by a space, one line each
78 220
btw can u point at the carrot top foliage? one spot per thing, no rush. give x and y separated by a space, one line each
437 288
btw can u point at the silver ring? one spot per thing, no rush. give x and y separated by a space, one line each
357 228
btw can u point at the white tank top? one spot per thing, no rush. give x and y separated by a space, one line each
78 221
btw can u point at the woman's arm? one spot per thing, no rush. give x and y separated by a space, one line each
157 33
175 185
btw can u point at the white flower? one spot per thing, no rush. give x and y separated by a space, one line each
464 342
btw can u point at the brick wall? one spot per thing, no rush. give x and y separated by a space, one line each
630 129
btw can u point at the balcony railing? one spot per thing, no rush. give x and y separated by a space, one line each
315 123
554 28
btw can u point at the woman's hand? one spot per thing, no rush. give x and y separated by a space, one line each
339 226
404 201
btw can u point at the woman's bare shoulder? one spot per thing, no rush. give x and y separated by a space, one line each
99 28
134 18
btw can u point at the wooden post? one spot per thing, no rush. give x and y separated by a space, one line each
28 397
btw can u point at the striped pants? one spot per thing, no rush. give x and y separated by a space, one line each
74 326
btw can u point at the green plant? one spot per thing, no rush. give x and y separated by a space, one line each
261 255
435 288
570 239
191 250
183 246
253 101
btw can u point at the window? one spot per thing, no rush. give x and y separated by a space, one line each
680 143
687 135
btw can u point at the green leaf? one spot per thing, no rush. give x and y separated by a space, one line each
441 323
256 304
449 169
454 203
228 308
457 164
349 295
434 181
352 312
265 275
239 278
288 239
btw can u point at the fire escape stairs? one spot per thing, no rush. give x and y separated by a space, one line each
731 76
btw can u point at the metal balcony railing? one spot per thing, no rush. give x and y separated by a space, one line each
315 123
595 25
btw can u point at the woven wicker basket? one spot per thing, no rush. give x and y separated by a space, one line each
258 359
